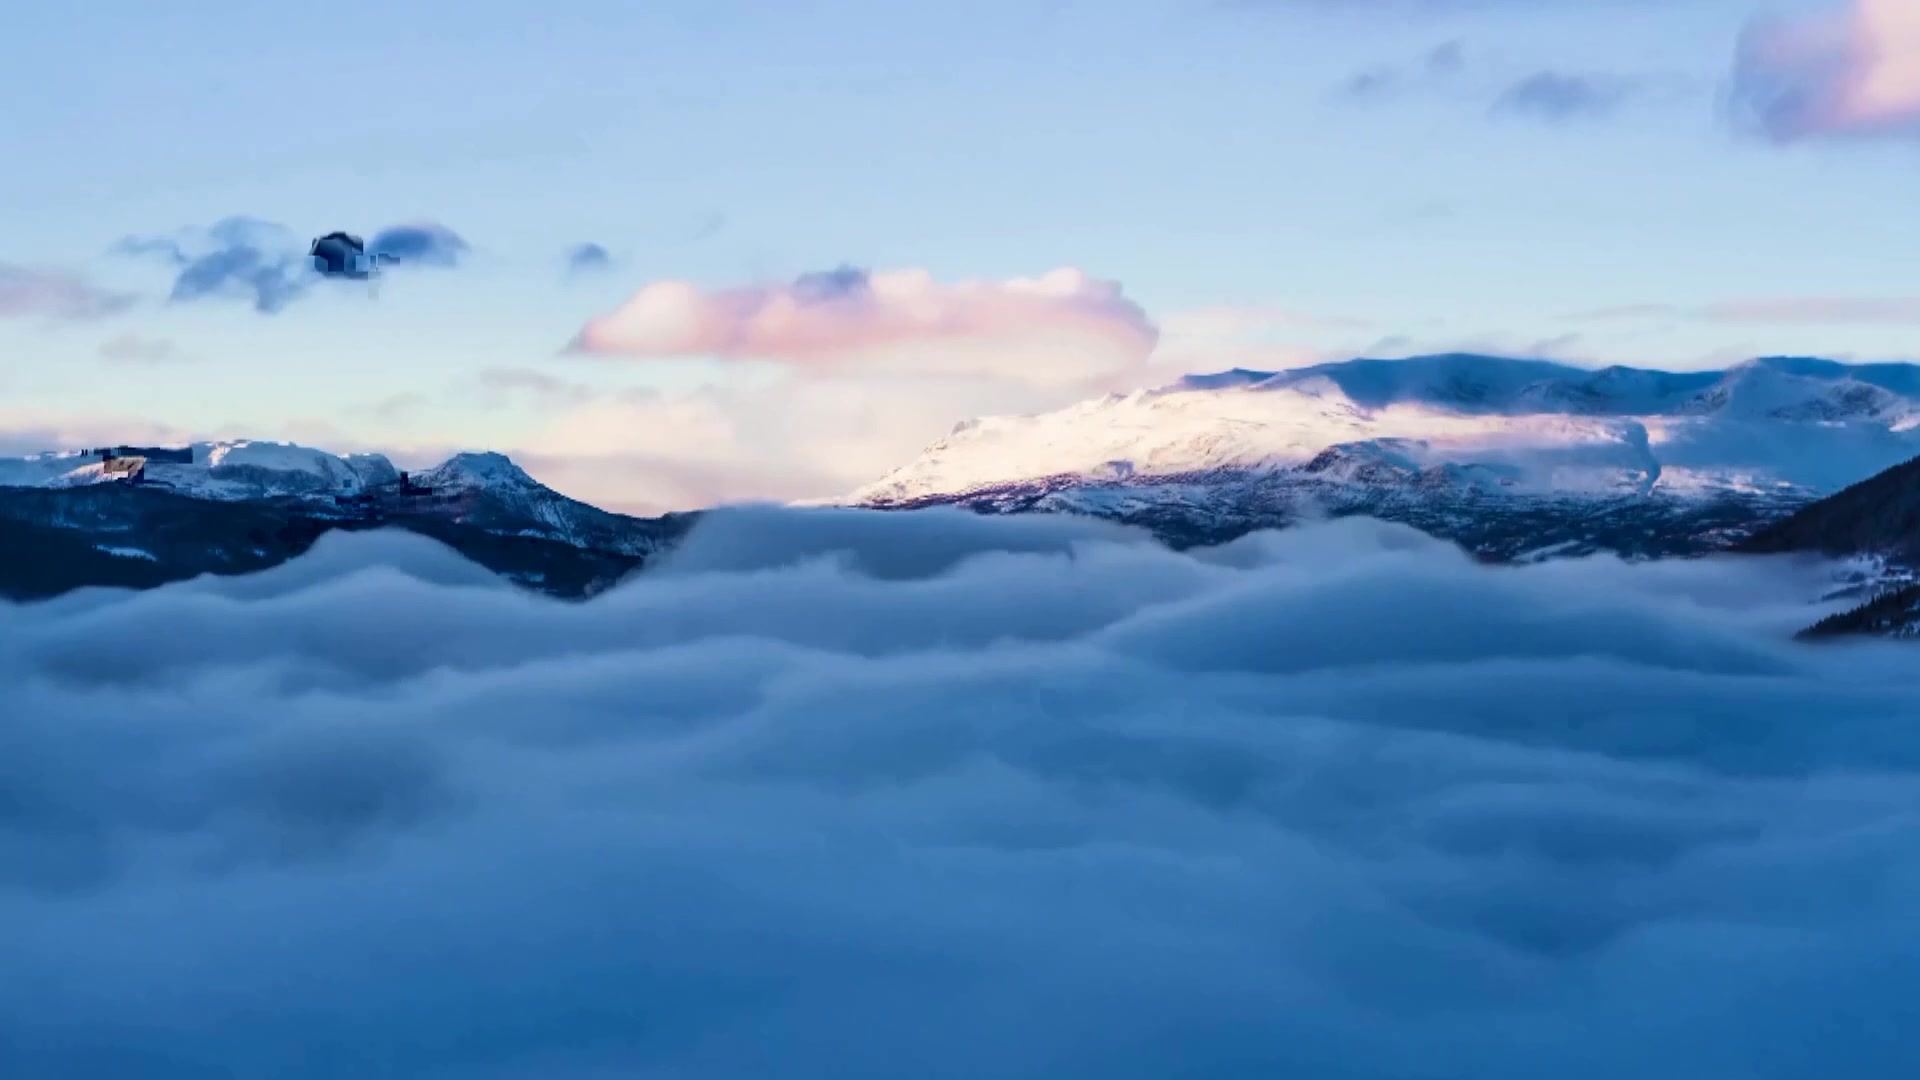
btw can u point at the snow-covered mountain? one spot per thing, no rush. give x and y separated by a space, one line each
1507 455
489 491
240 469
486 492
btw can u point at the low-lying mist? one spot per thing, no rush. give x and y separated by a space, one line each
833 794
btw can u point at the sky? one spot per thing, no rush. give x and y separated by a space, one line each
677 253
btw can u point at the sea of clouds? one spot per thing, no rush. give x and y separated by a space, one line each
830 794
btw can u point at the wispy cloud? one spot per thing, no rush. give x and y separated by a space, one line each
1852 71
235 256
587 258
530 385
1558 96
1450 71
268 263
1437 68
1806 310
30 292
133 349
1063 326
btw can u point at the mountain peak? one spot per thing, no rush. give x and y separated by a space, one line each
471 469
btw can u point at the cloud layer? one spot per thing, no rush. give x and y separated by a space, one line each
947 796
1850 71
1061 327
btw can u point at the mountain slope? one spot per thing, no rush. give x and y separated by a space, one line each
1879 516
1507 456
1877 524
82 518
59 539
488 491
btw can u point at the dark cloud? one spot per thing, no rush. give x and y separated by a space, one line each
587 258
274 281
236 256
28 292
424 244
822 286
860 795
1556 96
270 264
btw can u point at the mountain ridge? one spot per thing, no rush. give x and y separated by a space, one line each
138 516
1506 456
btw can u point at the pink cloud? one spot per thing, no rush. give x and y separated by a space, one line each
1851 71
1063 326
25 291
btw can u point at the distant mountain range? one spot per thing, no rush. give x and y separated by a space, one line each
1516 460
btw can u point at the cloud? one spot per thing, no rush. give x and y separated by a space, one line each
1549 95
29 428
1556 96
422 244
1805 310
828 793
786 439
587 258
1852 70
28 292
269 263
132 349
823 430
235 256
1438 68
398 407
1212 339
530 384
1062 327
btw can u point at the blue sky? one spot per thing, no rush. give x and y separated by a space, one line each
1204 156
